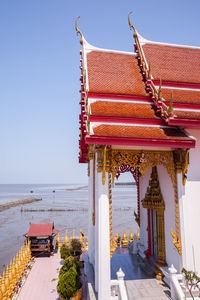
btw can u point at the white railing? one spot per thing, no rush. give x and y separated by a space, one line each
118 288
175 287
179 290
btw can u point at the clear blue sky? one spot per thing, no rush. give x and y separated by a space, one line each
39 74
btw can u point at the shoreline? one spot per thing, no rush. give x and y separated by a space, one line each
7 205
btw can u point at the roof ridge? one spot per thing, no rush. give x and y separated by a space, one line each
90 48
144 41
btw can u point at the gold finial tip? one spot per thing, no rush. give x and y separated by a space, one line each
78 30
129 20
132 26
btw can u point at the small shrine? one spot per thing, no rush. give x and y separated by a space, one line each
41 236
140 113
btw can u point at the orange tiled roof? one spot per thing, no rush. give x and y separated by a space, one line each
173 63
140 132
120 109
182 96
187 114
114 73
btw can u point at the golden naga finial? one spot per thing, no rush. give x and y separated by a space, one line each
176 241
129 21
131 25
78 30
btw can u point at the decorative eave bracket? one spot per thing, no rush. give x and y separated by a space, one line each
156 95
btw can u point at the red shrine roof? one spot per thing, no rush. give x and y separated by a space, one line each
41 230
120 109
182 96
172 63
122 103
114 73
179 68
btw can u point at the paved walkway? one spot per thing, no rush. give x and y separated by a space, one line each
147 289
139 284
42 280
130 265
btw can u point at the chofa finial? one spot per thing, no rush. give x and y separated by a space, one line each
78 30
129 22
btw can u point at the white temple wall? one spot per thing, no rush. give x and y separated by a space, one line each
144 182
167 191
190 217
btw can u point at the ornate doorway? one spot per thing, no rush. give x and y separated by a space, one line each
155 212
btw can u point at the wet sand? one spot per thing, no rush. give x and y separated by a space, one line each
67 209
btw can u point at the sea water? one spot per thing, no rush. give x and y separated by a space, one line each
71 200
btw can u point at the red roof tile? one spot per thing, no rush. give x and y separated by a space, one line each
194 115
120 109
140 132
114 73
43 229
182 96
173 63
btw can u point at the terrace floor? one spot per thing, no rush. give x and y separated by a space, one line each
42 280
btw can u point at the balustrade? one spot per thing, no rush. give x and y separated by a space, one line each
9 280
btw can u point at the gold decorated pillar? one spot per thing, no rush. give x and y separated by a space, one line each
161 236
153 200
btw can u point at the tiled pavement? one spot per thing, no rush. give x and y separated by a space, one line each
139 284
147 289
42 280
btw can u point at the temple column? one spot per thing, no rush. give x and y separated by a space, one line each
91 183
102 236
181 216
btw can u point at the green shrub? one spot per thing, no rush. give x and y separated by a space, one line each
64 252
68 284
70 262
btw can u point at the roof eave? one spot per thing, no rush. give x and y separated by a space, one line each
127 141
183 122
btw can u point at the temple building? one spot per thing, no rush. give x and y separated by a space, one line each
140 113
